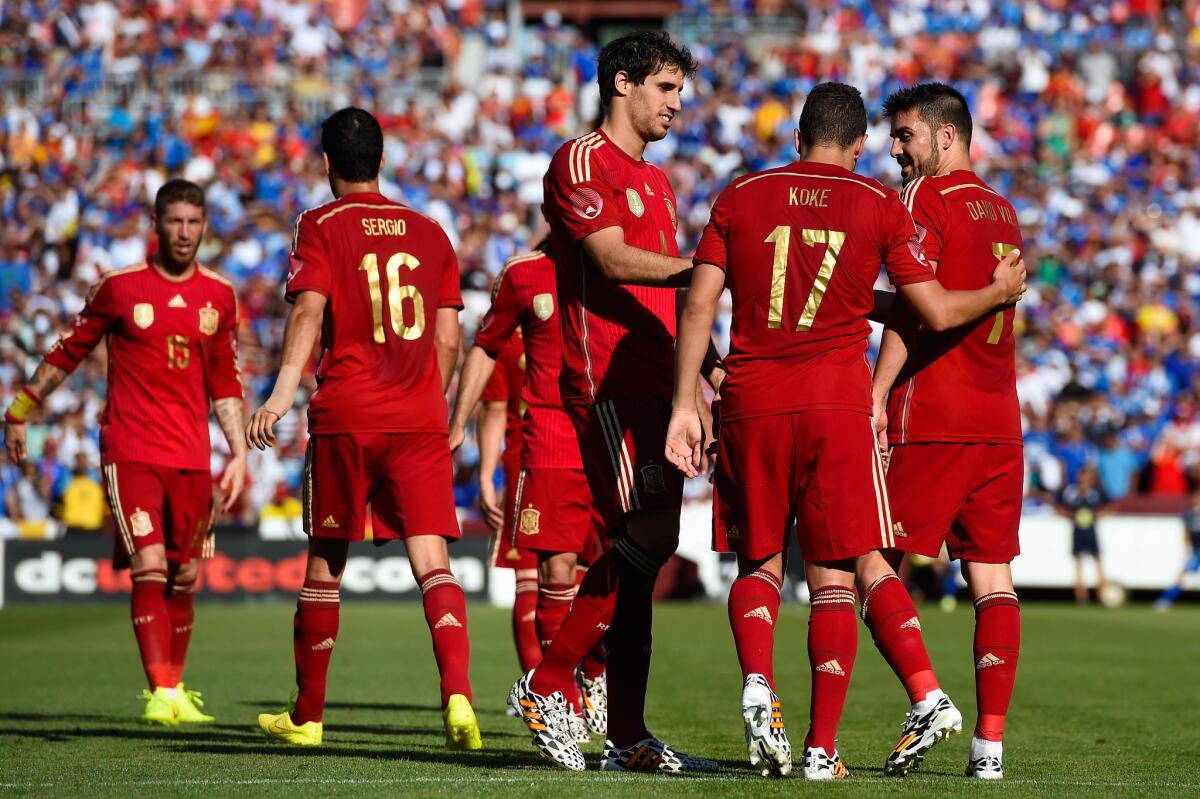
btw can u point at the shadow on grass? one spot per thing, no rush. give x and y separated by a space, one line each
129 733
487 759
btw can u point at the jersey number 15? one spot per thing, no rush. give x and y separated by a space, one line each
396 294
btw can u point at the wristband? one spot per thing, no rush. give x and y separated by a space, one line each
22 405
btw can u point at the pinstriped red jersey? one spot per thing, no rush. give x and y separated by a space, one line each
385 271
616 339
801 247
524 300
960 385
506 385
172 346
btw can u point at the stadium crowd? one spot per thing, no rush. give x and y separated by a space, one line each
1087 118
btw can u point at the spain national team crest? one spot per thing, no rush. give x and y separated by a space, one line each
143 315
543 306
209 318
529 522
671 211
140 524
652 478
636 206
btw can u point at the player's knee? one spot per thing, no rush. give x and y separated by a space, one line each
558 567
426 553
773 565
151 558
184 579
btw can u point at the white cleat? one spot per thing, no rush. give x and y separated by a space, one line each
766 737
926 724
986 761
546 718
651 755
818 765
595 702
579 730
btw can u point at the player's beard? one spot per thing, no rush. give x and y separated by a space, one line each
931 166
170 261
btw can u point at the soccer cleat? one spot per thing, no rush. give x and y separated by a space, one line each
546 718
922 729
987 767
766 737
579 731
462 729
187 706
160 708
279 727
651 755
595 702
820 766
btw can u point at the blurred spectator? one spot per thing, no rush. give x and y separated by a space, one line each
83 507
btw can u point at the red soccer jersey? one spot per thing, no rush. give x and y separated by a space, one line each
616 339
172 345
386 270
960 385
801 247
524 299
505 385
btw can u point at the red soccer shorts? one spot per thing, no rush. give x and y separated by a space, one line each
406 477
967 495
621 441
555 512
505 555
820 468
159 505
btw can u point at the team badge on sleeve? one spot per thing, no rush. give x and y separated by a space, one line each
143 315
529 522
636 206
587 202
543 306
209 317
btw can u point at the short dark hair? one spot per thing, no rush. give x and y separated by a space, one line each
178 190
833 113
640 55
353 141
936 103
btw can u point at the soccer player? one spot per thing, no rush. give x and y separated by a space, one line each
1084 502
554 514
951 399
378 284
171 327
612 239
1191 540
799 248
499 427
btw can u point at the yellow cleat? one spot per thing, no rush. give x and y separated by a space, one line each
279 727
187 706
160 708
462 730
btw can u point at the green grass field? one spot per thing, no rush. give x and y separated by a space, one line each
1106 703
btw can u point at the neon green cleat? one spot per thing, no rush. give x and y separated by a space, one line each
160 708
187 706
279 727
462 729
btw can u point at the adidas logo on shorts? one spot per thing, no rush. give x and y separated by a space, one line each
760 612
447 621
329 521
832 667
988 660
326 644
913 622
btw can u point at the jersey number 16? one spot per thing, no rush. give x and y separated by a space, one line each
396 294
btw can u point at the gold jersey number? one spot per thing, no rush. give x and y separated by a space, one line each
999 250
781 237
397 292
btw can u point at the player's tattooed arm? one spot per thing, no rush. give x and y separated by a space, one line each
28 399
232 418
622 263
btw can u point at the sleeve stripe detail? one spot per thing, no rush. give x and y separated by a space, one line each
204 270
580 156
347 206
520 259
862 183
909 194
968 186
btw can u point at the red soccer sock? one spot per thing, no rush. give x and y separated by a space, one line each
584 627
892 619
753 609
314 633
524 623
446 614
181 608
997 649
553 605
629 643
832 646
596 661
152 625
